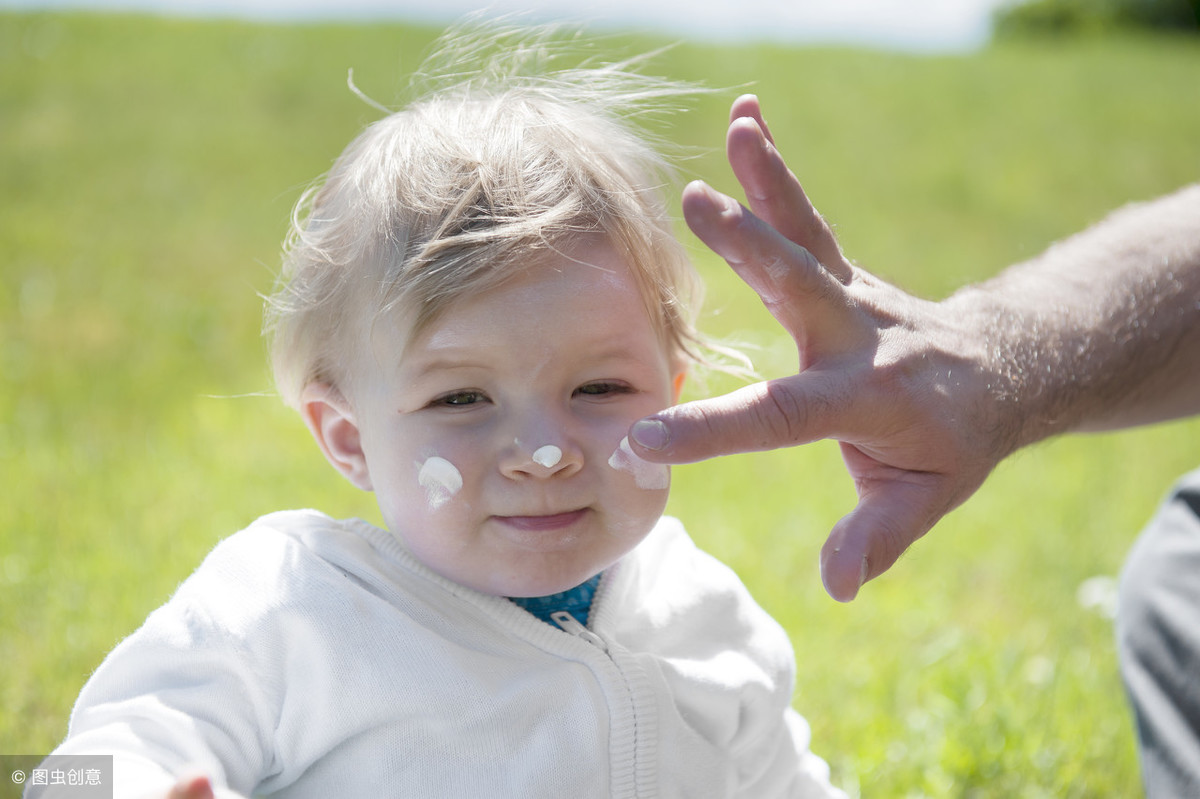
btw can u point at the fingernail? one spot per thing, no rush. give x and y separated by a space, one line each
829 574
650 433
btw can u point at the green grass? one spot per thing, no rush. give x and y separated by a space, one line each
148 171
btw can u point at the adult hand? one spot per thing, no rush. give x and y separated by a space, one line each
898 381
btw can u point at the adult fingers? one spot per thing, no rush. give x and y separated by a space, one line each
776 196
748 106
788 279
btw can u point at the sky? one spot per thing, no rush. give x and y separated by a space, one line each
912 25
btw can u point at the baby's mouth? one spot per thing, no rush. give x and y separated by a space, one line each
539 522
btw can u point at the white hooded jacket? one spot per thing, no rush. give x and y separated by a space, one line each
311 657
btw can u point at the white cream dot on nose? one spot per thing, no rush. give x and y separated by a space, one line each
547 456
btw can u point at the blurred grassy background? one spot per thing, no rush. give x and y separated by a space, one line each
148 170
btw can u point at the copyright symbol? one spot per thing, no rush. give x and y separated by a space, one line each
18 777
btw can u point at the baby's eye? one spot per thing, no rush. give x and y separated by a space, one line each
458 399
604 388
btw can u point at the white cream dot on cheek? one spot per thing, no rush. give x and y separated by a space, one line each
440 480
547 456
651 476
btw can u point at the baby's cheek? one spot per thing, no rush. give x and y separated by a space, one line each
639 492
646 475
440 479
444 472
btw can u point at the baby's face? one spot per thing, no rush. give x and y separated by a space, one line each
493 445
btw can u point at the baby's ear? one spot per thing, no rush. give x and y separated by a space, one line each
330 419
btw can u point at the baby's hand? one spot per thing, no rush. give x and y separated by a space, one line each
196 786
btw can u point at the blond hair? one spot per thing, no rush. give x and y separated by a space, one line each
451 195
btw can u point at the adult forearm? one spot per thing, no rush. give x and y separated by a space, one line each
1102 330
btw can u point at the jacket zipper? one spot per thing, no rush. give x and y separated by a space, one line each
570 624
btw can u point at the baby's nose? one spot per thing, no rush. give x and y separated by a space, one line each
542 460
547 455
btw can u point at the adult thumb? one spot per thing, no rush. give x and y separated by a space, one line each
867 541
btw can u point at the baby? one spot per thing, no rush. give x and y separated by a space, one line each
475 306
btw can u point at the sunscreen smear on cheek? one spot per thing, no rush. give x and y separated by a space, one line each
440 480
651 476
